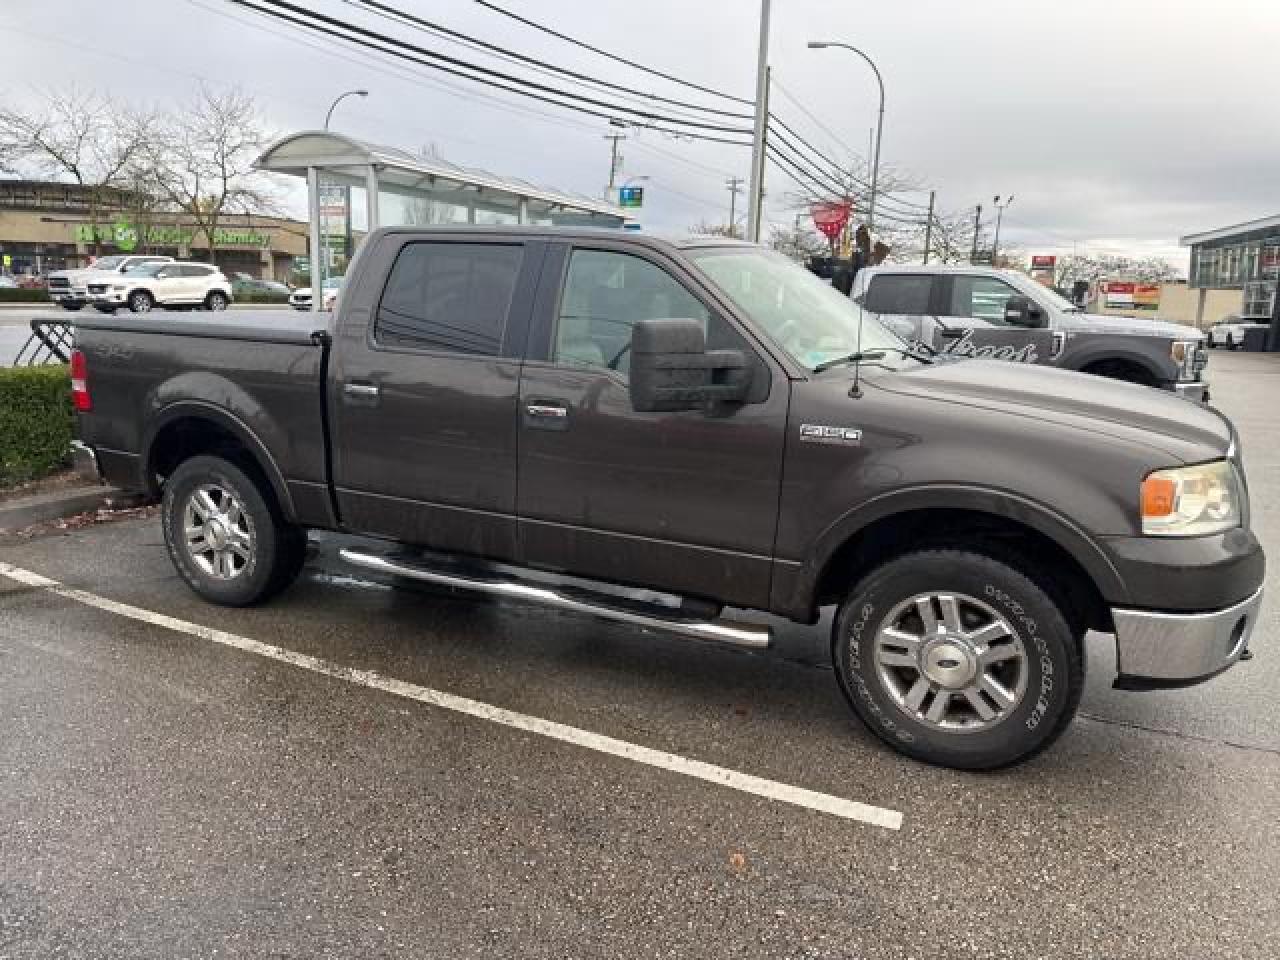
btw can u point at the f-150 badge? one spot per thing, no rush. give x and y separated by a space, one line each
817 433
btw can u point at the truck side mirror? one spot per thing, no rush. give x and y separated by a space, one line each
671 368
1022 312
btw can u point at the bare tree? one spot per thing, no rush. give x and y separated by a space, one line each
1091 269
798 242
203 161
84 137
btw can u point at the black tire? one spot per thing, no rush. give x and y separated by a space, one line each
276 549
1053 665
140 301
1208 340
1231 342
216 300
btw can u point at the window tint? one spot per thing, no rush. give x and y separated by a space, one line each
449 296
195 271
604 294
899 293
982 298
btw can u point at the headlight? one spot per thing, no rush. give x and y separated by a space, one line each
1191 501
1183 353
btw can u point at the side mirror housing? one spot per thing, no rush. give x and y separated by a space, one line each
1022 312
671 368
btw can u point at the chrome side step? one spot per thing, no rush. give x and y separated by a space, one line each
732 632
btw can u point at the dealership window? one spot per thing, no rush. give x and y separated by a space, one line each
1258 298
1270 267
449 296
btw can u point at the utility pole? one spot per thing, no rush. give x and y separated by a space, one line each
977 225
1000 207
756 187
928 227
734 185
613 160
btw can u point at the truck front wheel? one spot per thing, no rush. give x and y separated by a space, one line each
958 659
225 538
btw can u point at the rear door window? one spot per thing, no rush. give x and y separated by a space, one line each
449 296
901 293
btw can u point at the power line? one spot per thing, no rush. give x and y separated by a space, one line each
808 113
493 48
456 67
612 56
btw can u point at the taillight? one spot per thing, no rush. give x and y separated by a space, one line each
80 382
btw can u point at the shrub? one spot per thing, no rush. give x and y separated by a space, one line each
19 295
37 424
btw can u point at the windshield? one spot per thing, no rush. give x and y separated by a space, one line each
1048 293
806 316
146 269
107 263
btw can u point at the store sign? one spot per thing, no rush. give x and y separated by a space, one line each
1146 296
1118 294
631 196
1043 261
126 237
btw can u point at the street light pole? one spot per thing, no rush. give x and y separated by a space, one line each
337 100
875 163
995 244
755 190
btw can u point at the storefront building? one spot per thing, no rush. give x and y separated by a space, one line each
47 226
1243 257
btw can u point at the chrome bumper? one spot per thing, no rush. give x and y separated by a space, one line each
1178 649
1196 390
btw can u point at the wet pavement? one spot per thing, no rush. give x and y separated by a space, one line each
165 795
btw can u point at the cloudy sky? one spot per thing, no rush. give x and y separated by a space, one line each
1117 125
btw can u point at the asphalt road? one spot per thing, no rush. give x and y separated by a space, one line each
172 792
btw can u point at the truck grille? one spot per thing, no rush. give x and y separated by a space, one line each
59 283
97 288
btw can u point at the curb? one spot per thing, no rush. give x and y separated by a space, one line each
28 511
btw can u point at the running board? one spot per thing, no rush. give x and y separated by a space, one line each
732 632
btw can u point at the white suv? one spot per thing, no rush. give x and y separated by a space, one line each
163 285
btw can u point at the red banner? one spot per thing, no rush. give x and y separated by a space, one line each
1043 261
830 217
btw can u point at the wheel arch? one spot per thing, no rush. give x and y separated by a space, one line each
190 428
1022 531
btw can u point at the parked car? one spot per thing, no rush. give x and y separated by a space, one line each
70 288
300 299
972 311
652 431
242 283
7 282
162 285
1230 331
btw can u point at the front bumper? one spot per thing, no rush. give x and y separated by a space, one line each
1158 649
1196 390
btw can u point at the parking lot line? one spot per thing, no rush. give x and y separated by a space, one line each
723 776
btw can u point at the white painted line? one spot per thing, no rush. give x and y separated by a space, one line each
744 782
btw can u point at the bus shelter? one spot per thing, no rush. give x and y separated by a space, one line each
354 186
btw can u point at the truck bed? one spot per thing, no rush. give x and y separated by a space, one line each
257 375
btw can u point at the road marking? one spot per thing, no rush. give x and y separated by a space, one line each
743 782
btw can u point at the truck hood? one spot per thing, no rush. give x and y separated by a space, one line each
83 276
1125 411
1102 323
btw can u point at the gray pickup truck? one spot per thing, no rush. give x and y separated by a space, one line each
653 431
969 311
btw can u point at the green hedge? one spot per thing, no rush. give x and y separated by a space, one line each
18 295
37 424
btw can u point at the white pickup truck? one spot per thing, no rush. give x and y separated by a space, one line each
70 288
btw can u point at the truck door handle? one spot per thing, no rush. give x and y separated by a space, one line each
546 415
360 393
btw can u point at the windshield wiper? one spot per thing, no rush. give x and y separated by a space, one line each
863 355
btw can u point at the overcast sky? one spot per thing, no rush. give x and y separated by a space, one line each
1117 125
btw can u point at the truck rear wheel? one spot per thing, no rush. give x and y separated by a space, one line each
955 658
225 537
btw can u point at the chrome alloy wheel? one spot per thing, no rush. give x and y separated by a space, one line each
951 662
217 532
